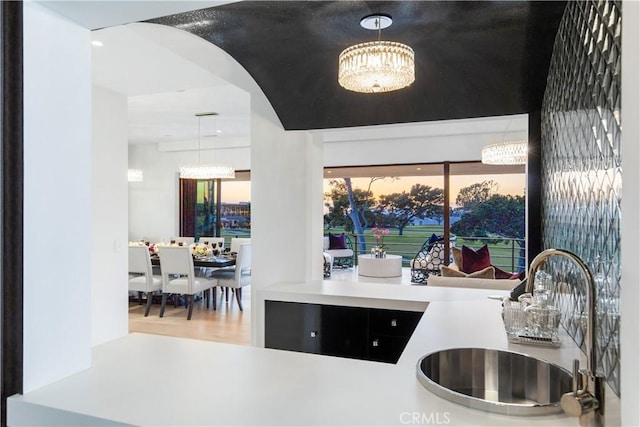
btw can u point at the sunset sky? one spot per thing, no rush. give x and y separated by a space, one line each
507 184
240 191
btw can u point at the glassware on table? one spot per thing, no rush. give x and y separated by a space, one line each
543 318
514 317
526 300
543 286
543 321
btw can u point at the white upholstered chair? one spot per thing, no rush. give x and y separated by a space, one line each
178 276
141 278
236 278
236 242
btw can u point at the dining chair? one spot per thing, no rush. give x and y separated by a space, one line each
141 277
236 242
235 278
184 240
178 276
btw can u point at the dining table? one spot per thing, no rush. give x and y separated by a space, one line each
216 261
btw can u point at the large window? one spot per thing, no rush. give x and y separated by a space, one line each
218 208
474 203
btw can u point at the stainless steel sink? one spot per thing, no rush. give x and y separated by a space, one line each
494 380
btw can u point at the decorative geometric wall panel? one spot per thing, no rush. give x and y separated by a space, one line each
582 176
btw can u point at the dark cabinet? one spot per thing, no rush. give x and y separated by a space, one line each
354 332
386 348
292 326
393 322
389 333
344 331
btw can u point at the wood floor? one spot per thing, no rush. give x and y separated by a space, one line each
227 324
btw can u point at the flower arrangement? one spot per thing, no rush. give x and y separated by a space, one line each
378 234
154 249
201 250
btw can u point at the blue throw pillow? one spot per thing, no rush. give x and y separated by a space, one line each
337 241
434 239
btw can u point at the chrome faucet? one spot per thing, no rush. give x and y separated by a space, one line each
588 388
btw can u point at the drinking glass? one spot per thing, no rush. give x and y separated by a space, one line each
514 318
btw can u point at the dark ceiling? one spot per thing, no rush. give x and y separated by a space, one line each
473 58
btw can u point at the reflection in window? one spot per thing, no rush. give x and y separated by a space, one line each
215 208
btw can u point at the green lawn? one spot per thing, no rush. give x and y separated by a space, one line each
414 237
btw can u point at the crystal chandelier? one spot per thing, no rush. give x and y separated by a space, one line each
505 153
206 171
379 66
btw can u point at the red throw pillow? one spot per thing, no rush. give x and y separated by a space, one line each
337 241
475 260
501 274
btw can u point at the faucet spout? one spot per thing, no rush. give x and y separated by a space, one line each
589 396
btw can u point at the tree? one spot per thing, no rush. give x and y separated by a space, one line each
350 207
340 208
438 214
469 197
338 212
500 216
422 201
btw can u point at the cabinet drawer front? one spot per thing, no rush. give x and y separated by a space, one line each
385 348
393 322
344 331
292 326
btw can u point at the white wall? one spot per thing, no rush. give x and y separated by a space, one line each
428 142
153 203
629 290
286 214
109 303
57 197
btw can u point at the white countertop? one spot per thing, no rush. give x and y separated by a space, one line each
154 380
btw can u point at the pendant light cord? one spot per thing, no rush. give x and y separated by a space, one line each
504 133
199 133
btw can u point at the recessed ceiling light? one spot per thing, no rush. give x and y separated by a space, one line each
97 43
328 171
418 169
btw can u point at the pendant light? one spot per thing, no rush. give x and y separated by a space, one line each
505 153
378 66
206 171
